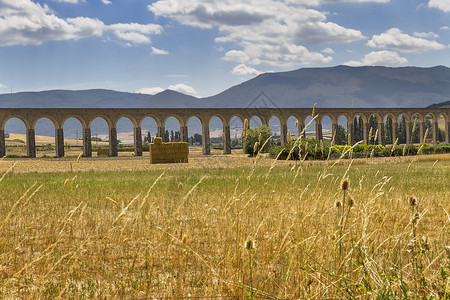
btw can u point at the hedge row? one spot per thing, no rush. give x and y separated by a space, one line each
315 149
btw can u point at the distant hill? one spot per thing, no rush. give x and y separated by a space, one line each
445 104
96 99
342 86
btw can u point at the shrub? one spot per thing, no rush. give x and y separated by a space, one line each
257 136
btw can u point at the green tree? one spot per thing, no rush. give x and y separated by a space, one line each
388 130
341 136
256 136
373 123
402 131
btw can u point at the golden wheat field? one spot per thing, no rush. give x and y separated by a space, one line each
225 227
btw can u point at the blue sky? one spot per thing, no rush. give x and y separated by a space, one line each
202 47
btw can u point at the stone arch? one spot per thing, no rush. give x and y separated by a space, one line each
217 132
24 120
293 128
172 131
194 132
431 123
390 133
417 128
326 127
17 140
275 124
236 124
359 128
75 133
342 131
100 129
126 134
256 121
403 128
45 128
149 128
442 128
374 132
310 126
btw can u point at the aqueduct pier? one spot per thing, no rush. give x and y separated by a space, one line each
58 116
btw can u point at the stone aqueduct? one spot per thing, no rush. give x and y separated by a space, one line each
58 116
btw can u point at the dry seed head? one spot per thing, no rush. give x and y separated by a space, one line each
338 204
288 137
244 133
66 182
412 201
414 125
184 239
351 202
255 147
180 185
376 135
249 244
345 184
404 150
296 123
370 132
314 110
425 135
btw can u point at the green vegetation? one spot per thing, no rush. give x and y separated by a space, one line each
256 138
315 149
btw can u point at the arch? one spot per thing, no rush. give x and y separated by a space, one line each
310 127
125 134
359 129
172 126
275 125
15 130
341 135
99 130
217 133
389 132
292 128
417 129
255 121
44 131
73 134
149 129
442 129
326 127
236 129
194 132
403 130
373 130
19 117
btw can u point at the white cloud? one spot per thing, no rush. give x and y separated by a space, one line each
394 39
182 88
379 58
67 1
443 5
156 51
426 35
106 2
150 91
328 51
236 55
23 22
445 28
243 70
266 32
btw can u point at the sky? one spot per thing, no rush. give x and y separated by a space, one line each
203 47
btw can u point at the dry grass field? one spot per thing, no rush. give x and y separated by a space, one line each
225 226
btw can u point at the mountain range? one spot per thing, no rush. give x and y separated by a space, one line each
339 86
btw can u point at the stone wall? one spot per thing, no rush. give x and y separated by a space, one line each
168 152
